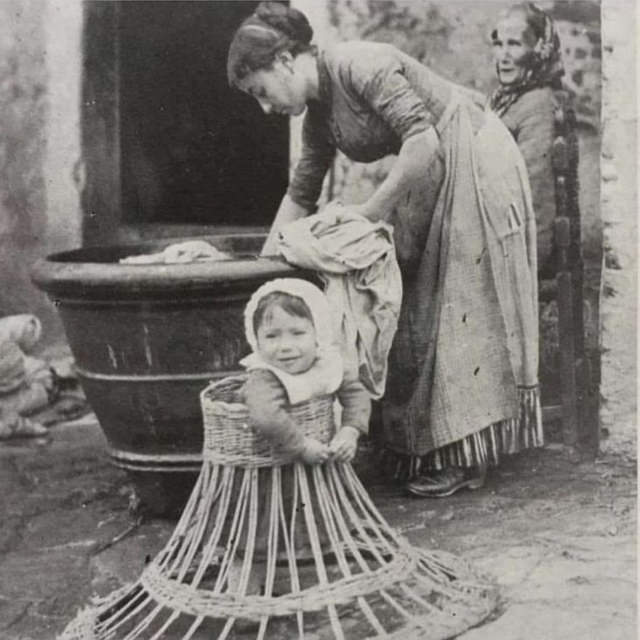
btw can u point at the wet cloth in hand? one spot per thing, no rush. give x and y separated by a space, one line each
356 260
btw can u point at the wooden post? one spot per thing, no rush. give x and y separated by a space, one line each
586 354
582 412
566 338
565 288
100 123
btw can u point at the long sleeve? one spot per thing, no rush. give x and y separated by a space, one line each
318 151
356 404
382 83
266 400
530 121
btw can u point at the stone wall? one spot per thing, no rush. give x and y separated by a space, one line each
39 143
619 304
22 145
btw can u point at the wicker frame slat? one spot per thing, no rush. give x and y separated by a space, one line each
195 601
287 548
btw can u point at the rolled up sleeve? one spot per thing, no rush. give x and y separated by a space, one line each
382 83
317 153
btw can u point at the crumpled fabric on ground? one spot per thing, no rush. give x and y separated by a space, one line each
32 392
180 253
356 260
12 366
13 425
24 329
26 382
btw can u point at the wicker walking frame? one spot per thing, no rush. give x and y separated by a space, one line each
360 579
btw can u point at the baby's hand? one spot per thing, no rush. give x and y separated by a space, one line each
344 444
314 452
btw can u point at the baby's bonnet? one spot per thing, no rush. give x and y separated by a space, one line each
325 375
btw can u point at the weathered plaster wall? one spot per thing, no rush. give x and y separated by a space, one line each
62 167
39 143
619 305
22 145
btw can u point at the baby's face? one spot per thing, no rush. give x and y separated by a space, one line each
287 342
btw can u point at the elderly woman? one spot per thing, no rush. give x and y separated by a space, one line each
529 67
462 386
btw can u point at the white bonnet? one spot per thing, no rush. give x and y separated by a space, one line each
310 293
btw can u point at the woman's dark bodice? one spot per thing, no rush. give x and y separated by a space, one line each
372 97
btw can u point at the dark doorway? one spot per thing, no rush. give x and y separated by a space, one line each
193 150
167 143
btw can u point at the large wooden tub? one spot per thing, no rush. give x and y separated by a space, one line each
146 340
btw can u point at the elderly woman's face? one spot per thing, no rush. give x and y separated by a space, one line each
512 48
278 89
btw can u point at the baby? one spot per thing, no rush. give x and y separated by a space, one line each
287 323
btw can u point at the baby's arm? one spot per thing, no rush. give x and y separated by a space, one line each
266 400
356 411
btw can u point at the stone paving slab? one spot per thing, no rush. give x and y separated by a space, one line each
535 621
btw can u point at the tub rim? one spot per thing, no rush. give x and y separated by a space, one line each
73 279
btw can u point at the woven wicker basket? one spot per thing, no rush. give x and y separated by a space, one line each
228 438
233 562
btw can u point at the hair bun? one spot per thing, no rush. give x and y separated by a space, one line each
290 22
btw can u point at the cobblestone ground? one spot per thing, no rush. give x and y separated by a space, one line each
557 537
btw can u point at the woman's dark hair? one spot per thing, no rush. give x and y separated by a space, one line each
272 28
293 305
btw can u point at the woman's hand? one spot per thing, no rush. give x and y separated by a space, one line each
343 212
270 247
314 451
344 445
365 211
289 211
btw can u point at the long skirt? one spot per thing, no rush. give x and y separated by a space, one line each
462 386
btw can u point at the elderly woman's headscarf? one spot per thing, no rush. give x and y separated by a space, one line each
543 68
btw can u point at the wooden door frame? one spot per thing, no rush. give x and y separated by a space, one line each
99 123
101 195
